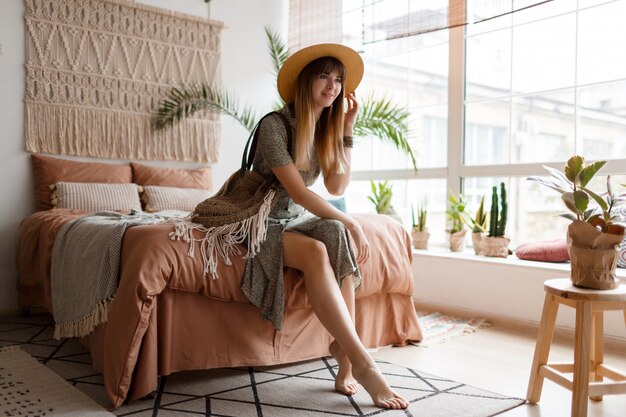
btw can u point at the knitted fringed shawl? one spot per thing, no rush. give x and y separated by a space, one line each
237 214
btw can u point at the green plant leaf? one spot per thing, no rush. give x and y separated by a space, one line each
278 50
598 199
581 200
568 199
380 118
562 182
573 167
547 183
589 171
568 216
182 103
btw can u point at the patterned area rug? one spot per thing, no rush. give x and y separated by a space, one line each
302 389
439 328
28 388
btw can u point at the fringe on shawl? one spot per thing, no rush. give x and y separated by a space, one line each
223 240
85 325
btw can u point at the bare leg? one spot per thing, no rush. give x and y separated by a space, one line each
345 382
310 256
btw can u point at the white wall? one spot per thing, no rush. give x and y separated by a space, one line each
496 288
246 71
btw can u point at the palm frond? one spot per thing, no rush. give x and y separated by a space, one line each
381 118
278 49
181 103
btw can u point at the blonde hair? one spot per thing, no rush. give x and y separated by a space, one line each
326 136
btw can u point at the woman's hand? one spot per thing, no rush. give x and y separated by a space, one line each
351 113
361 243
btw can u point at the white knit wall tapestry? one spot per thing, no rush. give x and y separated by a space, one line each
96 71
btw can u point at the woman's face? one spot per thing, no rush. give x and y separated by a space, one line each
325 88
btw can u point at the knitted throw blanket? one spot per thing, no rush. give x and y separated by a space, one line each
84 269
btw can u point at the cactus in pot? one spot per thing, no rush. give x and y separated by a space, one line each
496 243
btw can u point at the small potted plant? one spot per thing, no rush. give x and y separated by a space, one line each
478 225
457 230
496 243
419 231
593 237
381 198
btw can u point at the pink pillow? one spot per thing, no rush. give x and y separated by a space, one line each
48 170
546 251
199 178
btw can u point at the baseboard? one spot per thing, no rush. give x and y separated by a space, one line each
528 327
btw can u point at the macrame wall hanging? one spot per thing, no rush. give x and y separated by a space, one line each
97 69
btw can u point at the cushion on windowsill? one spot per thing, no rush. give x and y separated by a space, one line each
544 251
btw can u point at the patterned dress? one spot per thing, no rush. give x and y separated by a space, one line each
263 277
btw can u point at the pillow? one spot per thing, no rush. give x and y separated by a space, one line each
199 178
48 171
94 196
158 198
339 203
547 251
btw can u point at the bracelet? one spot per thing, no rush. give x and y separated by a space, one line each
347 142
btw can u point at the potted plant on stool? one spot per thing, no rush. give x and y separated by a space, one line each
496 244
456 214
419 231
592 237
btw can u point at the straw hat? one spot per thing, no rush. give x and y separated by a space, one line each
290 70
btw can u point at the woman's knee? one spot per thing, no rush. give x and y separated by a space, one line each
304 252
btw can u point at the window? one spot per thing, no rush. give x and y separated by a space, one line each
531 87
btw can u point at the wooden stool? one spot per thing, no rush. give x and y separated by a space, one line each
590 306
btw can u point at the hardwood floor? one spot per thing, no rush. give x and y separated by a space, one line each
499 359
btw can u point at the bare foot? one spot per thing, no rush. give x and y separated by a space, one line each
344 382
374 383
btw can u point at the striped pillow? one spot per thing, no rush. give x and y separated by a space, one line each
158 198
96 196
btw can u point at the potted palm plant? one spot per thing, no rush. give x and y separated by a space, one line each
378 117
381 198
496 243
593 237
456 214
419 230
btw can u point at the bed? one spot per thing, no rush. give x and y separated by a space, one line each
167 316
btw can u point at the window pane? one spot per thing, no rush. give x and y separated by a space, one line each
544 54
477 10
601 35
487 132
406 193
602 121
540 11
428 74
429 130
533 209
488 65
543 127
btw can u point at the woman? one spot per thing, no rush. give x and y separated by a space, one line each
305 232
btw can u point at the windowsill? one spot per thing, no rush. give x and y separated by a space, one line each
511 260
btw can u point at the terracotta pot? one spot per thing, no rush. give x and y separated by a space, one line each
420 239
457 241
593 255
477 239
495 246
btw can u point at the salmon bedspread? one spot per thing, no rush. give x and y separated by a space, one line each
167 316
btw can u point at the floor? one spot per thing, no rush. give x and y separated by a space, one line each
499 360
492 358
